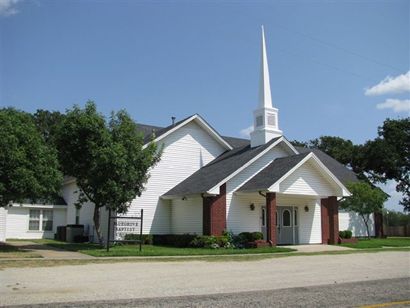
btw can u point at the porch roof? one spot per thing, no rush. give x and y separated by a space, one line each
276 172
217 170
272 173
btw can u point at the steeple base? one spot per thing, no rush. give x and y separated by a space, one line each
260 137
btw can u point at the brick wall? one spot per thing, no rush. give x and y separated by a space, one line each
330 220
214 213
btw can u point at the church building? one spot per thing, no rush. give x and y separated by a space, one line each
207 183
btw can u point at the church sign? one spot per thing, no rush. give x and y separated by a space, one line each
123 225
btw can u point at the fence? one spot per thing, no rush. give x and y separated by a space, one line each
397 231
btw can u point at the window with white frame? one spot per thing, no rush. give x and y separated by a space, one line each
40 220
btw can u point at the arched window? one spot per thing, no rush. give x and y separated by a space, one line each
286 218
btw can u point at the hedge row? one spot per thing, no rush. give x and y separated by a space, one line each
198 241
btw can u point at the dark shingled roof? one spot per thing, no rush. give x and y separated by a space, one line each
57 200
273 172
217 170
149 130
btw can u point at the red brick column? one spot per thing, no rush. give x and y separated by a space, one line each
330 220
324 213
333 220
271 218
214 213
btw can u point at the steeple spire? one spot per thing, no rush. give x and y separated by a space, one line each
265 97
266 120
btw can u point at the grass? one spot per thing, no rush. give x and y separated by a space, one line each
150 250
380 243
214 258
12 252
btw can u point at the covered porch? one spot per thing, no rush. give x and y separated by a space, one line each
298 200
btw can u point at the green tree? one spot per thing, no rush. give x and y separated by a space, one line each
107 158
388 157
28 167
47 123
365 200
340 149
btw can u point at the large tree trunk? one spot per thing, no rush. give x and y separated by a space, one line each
97 224
366 223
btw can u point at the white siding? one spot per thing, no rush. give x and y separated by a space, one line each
306 180
3 222
310 224
353 222
187 215
18 219
242 218
239 216
185 151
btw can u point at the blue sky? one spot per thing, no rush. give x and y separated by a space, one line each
159 59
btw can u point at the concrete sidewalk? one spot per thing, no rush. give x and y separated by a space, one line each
48 252
317 248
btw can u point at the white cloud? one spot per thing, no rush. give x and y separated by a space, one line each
398 105
8 7
390 85
246 132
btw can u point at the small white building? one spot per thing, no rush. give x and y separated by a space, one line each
206 183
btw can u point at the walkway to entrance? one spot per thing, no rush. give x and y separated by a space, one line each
48 251
317 248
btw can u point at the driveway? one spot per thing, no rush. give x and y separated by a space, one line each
48 252
163 279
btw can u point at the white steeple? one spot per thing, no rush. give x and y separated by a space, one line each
266 122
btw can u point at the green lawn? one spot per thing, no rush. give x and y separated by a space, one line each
11 252
150 250
380 242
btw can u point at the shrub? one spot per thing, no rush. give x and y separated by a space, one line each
247 237
209 241
147 239
345 234
174 240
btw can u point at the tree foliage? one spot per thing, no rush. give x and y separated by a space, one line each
388 157
47 123
107 158
28 167
365 200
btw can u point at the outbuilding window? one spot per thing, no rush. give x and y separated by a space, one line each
40 220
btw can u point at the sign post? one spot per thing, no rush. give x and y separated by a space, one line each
124 225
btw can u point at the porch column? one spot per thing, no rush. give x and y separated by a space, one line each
330 220
271 218
214 213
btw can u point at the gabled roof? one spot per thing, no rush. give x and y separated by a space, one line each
281 168
220 169
344 174
272 173
150 130
162 133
